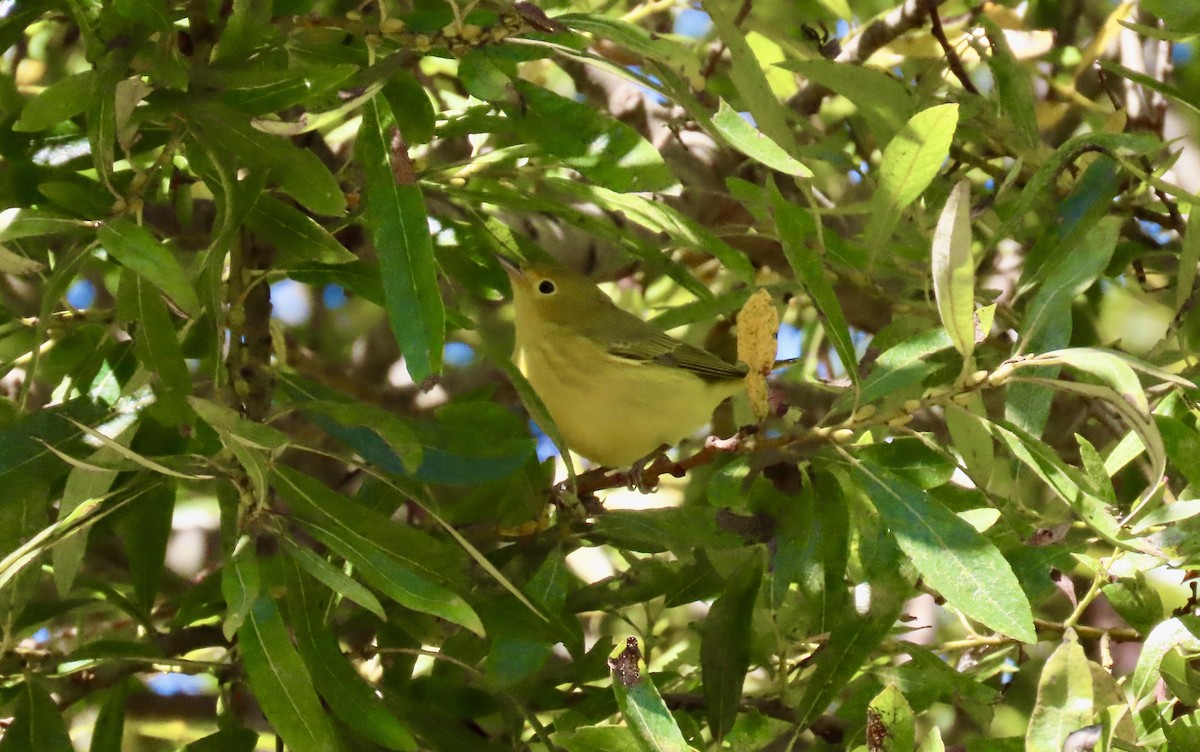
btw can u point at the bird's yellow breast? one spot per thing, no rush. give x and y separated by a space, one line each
612 410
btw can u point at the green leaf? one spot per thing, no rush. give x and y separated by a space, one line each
411 107
155 343
281 684
1065 481
954 559
403 563
232 739
905 364
747 139
1064 698
630 38
665 529
147 528
400 230
597 739
61 101
661 218
748 77
970 437
909 164
241 585
83 485
17 223
487 73
725 645
1179 632
348 695
258 91
954 270
883 101
1047 324
890 713
855 636
299 172
1189 257
110 723
26 445
136 249
36 726
641 705
812 548
1014 86
334 578
1136 600
297 237
808 266
606 151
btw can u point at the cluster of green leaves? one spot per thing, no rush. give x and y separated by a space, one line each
991 447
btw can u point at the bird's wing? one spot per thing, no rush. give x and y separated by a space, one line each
656 347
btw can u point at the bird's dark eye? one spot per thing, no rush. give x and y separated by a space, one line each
545 287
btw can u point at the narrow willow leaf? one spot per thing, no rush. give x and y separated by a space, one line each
904 364
140 251
1064 698
281 684
232 739
241 585
970 437
752 142
146 528
954 270
1047 323
348 695
608 152
954 559
1182 632
36 726
297 236
909 164
110 723
1141 422
155 344
1066 482
80 519
725 645
748 77
680 58
883 101
641 705
61 101
811 271
1014 86
400 230
1189 256
82 485
659 217
299 172
334 578
386 553
133 456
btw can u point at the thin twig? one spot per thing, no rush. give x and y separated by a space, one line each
952 59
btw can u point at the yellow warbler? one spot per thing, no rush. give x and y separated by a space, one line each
616 387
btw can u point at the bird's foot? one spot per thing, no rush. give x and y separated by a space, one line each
638 479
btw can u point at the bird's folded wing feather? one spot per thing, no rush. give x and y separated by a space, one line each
668 351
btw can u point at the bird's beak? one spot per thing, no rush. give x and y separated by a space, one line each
511 269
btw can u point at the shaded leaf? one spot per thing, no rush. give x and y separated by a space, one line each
961 564
400 231
725 645
280 682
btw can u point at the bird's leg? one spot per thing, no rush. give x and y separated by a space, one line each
637 472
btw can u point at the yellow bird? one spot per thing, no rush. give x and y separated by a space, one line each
616 387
